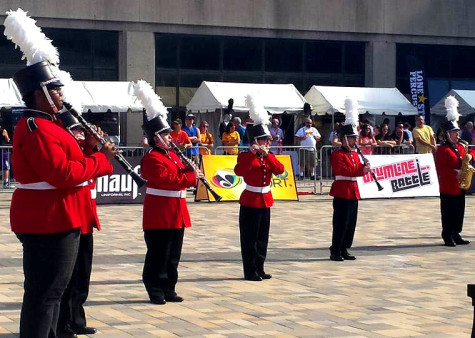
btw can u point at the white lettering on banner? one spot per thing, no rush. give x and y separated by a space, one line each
416 81
118 185
401 176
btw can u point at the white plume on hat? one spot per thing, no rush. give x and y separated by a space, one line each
351 111
150 100
451 104
35 46
69 93
257 111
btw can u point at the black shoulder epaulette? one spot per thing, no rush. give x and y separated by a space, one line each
31 123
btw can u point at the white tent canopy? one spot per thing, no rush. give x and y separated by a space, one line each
376 101
9 94
97 96
276 98
466 100
100 96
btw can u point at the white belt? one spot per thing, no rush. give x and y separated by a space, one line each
344 178
166 193
44 185
261 190
93 194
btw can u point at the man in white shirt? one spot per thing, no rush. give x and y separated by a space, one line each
308 136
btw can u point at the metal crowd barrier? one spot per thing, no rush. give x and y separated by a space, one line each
326 173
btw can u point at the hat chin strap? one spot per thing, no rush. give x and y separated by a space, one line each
161 139
48 97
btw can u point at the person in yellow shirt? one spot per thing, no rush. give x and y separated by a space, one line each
206 139
424 137
231 138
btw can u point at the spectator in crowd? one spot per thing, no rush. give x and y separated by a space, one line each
407 129
245 140
231 139
4 140
366 140
377 131
277 135
194 135
384 140
224 123
179 137
308 136
239 128
206 138
399 136
334 132
440 136
144 142
424 137
385 122
467 133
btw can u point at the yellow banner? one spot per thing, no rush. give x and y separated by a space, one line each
219 171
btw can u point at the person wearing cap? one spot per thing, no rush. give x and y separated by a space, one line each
194 136
165 213
346 166
256 167
179 137
448 162
72 317
52 198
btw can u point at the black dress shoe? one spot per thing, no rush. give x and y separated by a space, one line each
461 241
83 330
65 332
254 278
449 242
336 258
347 256
174 299
264 275
158 300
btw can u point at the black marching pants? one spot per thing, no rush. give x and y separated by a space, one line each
345 214
48 262
452 209
160 270
72 303
254 225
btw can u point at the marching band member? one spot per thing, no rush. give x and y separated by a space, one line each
448 161
346 166
48 206
72 317
256 167
165 214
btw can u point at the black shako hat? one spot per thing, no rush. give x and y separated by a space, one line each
257 131
347 130
30 78
154 126
449 126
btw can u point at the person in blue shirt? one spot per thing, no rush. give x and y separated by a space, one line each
194 134
240 129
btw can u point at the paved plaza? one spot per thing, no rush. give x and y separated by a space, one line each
404 283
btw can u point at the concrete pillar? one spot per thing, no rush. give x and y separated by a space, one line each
136 62
380 64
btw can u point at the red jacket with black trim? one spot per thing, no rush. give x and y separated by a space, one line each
50 154
346 163
447 163
164 170
257 171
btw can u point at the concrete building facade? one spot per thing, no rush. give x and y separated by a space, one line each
441 32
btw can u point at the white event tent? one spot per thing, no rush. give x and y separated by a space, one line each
375 101
9 94
211 100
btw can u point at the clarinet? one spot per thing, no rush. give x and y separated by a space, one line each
192 165
119 157
365 161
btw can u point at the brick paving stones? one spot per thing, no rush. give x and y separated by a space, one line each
404 283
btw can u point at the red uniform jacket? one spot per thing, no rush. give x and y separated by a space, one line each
257 171
348 164
164 170
50 154
447 162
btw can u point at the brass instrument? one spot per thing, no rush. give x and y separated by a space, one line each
467 170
